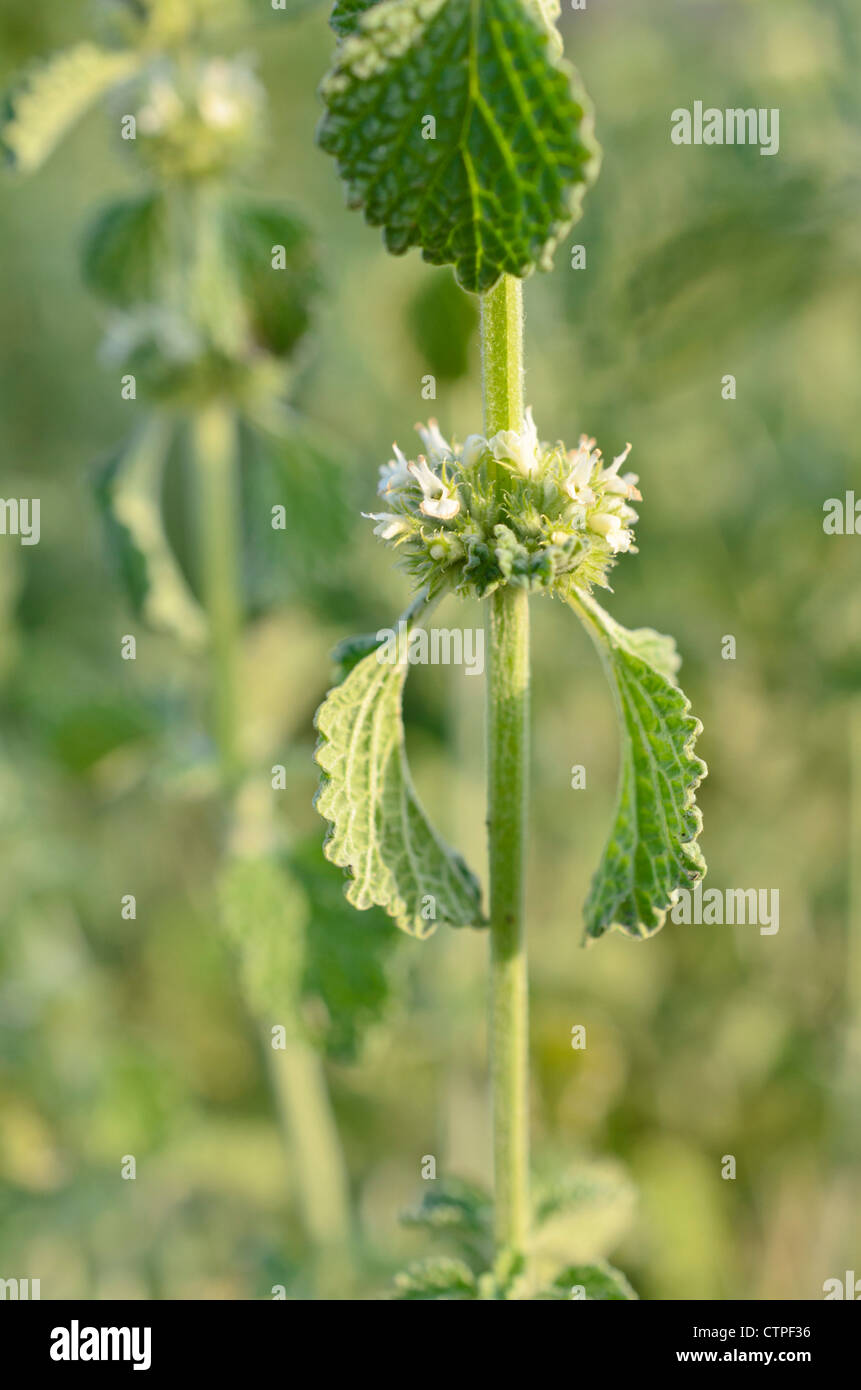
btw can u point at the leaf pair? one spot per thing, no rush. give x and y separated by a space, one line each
462 1214
380 834
458 128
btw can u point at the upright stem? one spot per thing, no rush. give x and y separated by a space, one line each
297 1072
215 454
507 761
299 1082
502 356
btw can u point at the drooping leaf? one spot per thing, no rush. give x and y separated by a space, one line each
128 491
378 830
351 651
347 958
265 912
53 96
123 249
599 1282
652 851
436 1280
499 180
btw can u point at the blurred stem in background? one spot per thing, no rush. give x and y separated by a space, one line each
297 1072
508 757
215 460
205 331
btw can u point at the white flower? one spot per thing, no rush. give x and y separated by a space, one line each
439 450
228 94
609 525
520 449
582 462
439 499
443 508
394 475
473 447
163 107
388 525
626 486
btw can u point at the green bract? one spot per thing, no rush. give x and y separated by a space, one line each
508 510
652 851
458 128
379 832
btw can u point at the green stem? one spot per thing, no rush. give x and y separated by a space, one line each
299 1083
297 1073
215 453
502 356
507 757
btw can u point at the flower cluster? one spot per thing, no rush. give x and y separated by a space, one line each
201 121
506 510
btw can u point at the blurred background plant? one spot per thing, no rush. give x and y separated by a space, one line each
135 1036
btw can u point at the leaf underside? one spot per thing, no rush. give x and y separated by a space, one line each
652 851
512 151
53 96
128 492
378 831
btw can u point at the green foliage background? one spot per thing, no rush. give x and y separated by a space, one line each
131 1037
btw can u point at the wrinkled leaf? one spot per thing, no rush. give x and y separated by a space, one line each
53 96
652 851
459 1211
437 1279
600 1282
378 830
512 151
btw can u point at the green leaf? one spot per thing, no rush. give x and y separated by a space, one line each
599 1282
458 1211
288 463
443 323
513 151
264 912
582 1215
436 1280
123 249
347 958
53 96
652 851
379 832
277 301
346 14
128 492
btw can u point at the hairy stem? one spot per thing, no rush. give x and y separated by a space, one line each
297 1074
502 356
299 1082
215 454
507 760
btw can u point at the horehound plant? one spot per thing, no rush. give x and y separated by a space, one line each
459 128
210 291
